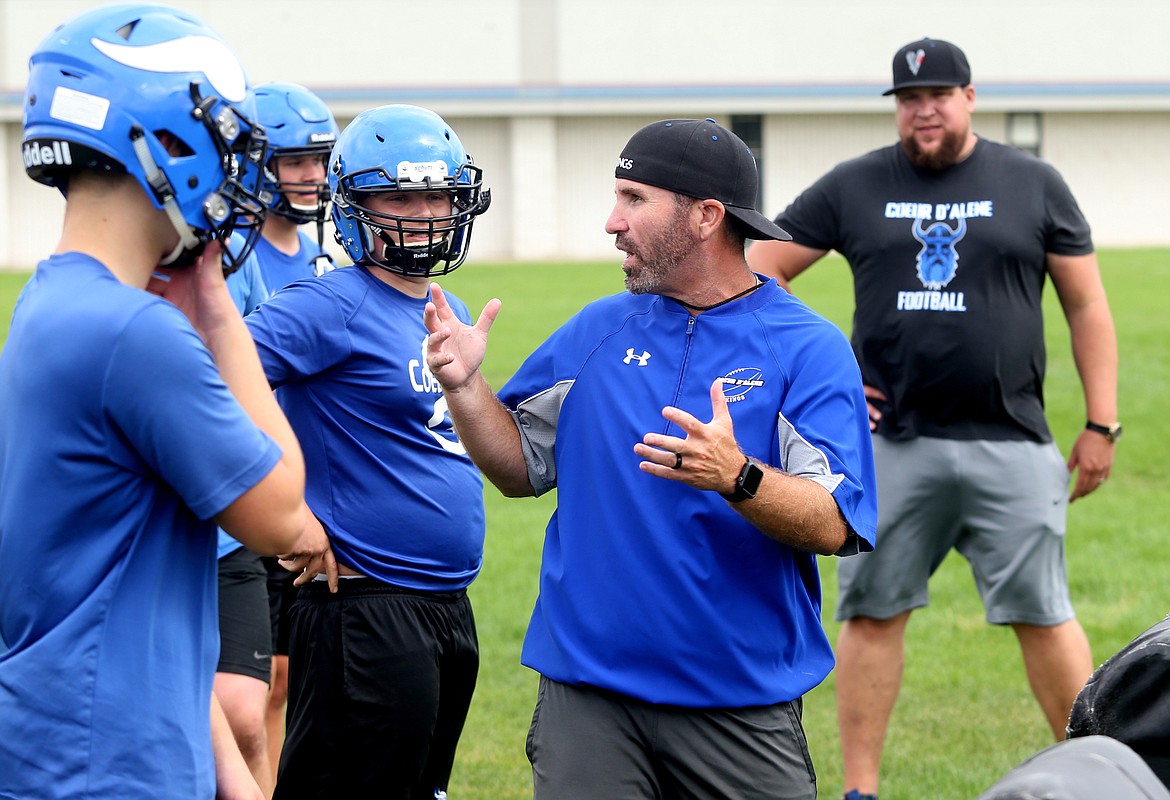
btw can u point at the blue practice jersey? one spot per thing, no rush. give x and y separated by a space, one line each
118 443
279 269
725 616
386 475
246 286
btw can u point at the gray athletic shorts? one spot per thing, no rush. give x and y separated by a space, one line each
1002 505
586 744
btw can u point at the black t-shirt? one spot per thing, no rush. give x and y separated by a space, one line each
948 271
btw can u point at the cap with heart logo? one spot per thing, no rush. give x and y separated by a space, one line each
929 62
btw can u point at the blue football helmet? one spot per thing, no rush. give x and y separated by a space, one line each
297 123
153 92
401 148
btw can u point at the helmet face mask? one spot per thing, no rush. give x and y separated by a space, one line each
236 206
298 126
154 93
285 192
404 151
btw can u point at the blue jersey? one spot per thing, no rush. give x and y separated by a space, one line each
118 443
386 475
279 269
725 616
246 286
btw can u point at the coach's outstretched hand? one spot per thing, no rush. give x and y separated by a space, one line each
454 350
708 455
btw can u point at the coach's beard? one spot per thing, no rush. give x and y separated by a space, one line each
650 264
942 156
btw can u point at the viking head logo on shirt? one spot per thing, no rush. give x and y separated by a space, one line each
938 260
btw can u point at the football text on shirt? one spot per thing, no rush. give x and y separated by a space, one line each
938 228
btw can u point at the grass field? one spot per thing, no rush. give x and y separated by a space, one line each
965 716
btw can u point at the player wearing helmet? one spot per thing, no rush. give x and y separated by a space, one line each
149 110
130 423
253 655
382 672
413 217
301 132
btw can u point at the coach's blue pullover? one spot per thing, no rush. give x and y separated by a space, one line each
655 589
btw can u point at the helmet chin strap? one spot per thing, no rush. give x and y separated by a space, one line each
173 256
323 262
165 194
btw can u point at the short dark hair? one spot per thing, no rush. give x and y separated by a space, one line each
736 230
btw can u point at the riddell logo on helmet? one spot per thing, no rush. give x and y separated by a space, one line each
625 163
42 153
317 138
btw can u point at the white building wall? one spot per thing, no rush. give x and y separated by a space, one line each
1118 166
508 43
7 146
589 147
799 148
33 212
489 142
545 92
528 202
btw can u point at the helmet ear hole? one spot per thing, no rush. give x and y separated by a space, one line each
175 146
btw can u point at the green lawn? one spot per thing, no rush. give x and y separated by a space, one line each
965 716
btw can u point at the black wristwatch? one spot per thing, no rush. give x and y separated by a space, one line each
748 481
1110 432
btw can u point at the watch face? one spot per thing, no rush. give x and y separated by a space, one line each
750 477
1111 432
747 482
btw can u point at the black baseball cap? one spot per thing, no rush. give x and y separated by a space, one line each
929 62
701 159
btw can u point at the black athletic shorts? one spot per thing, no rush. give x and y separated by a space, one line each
281 594
380 680
245 637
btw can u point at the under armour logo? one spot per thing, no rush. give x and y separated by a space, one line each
914 60
642 359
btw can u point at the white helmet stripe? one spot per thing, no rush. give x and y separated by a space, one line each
187 54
